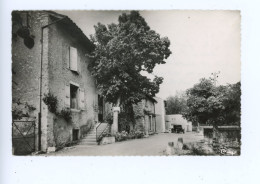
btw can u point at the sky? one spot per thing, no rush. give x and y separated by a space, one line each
202 42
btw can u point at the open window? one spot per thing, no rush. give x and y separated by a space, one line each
75 97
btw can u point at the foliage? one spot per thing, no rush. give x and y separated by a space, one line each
124 135
20 109
51 101
121 52
125 118
109 118
214 105
232 103
139 134
176 104
121 136
66 114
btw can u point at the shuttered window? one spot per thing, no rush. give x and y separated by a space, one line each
67 95
73 59
74 97
81 99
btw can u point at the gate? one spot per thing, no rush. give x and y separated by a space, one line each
23 137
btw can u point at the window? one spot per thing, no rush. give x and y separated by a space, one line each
73 59
74 96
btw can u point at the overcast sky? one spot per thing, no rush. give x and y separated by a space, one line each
202 42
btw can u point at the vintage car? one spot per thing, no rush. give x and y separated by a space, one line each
177 129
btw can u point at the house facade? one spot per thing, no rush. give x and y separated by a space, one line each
50 61
160 114
145 119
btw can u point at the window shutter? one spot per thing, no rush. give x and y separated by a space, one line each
78 65
73 59
67 95
81 99
67 56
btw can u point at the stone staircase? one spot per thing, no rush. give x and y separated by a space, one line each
90 139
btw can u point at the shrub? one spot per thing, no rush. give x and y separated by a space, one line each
139 134
66 114
109 118
121 136
51 101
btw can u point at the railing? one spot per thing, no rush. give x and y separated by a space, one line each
105 129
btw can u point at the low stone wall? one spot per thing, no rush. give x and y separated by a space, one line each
107 140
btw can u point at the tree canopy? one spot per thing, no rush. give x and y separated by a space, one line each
121 52
176 104
213 105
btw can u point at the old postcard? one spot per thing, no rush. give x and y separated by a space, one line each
126 83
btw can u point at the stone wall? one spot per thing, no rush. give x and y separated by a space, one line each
55 76
142 119
26 63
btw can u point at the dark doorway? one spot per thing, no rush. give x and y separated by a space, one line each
100 108
75 134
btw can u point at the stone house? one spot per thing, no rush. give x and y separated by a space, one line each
50 56
144 112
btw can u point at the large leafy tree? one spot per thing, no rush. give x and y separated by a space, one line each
121 52
176 104
213 105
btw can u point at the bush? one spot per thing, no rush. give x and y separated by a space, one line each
51 101
121 136
139 134
66 114
109 118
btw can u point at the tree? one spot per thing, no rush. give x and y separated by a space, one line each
213 105
121 52
176 104
232 104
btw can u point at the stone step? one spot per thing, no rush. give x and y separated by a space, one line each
88 143
89 139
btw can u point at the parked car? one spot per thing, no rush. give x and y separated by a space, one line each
178 129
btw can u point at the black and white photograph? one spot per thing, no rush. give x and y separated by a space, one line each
129 92
126 83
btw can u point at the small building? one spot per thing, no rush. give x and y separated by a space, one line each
160 114
50 60
177 119
145 117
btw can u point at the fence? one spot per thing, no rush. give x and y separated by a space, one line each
23 137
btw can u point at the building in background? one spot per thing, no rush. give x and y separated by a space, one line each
145 120
160 114
177 119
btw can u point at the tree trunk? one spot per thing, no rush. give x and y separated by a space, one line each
116 109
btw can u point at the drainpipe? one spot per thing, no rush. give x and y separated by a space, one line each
155 116
40 90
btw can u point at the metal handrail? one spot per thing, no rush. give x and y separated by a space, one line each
97 137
